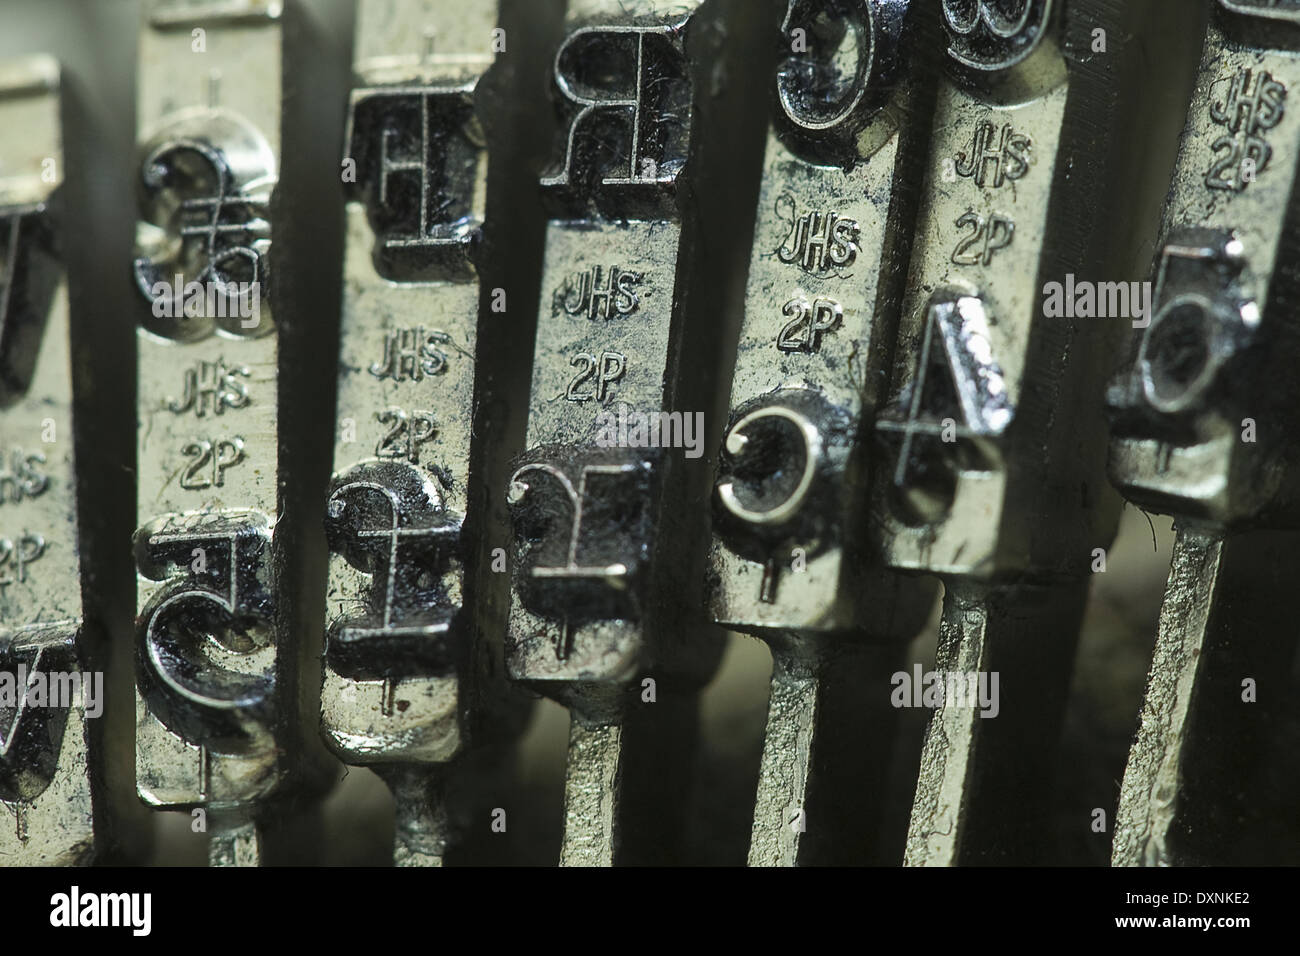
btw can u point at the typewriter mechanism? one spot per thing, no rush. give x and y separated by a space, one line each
649 432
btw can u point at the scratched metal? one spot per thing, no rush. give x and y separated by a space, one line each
1215 363
991 440
209 638
822 296
843 156
45 762
585 624
392 696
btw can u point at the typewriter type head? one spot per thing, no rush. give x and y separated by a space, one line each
1200 420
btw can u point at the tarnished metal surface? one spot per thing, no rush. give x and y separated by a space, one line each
994 747
591 794
1153 775
1207 740
399 637
595 528
45 772
212 626
1204 429
656 321
1218 346
946 762
850 107
991 438
834 225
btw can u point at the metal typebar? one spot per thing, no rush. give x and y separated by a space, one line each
843 158
1203 427
394 690
993 439
602 552
47 767
218 724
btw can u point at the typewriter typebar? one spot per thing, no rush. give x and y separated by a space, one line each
47 694
1204 428
217 727
599 562
844 151
398 639
991 438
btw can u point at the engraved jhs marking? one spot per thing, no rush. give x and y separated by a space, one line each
600 293
1246 111
411 354
817 241
808 322
602 373
209 461
20 476
211 388
406 433
1009 158
16 554
988 235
